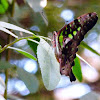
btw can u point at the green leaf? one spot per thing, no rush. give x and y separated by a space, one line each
2 10
7 31
14 27
4 65
29 79
5 4
49 66
84 61
83 44
23 52
33 45
77 69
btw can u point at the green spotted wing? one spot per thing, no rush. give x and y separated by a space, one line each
68 39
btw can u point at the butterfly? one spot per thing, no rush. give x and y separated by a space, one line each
67 39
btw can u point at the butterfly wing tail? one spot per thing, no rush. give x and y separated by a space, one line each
72 77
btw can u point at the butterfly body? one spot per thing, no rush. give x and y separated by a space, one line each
66 41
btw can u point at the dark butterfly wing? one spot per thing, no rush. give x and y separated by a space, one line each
69 37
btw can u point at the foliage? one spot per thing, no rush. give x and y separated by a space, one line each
47 20
3 6
5 65
24 53
77 69
45 55
46 58
49 66
33 45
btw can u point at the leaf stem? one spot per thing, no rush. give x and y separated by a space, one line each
6 71
13 8
45 38
6 81
30 37
8 55
5 47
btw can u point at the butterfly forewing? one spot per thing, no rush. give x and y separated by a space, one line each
68 39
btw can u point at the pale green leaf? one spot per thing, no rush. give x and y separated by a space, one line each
7 31
13 27
23 52
49 66
4 65
29 79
